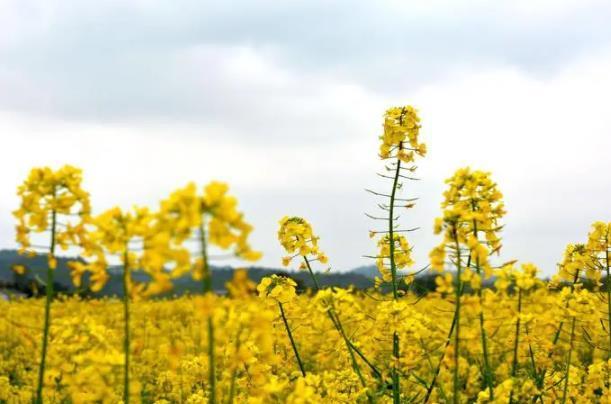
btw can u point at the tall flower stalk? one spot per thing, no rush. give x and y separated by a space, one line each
211 219
400 145
576 263
472 208
297 238
54 202
132 238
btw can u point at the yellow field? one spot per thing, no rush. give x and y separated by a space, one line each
253 352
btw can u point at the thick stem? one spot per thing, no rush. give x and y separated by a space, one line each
457 334
391 229
206 275
126 335
290 334
207 288
514 364
568 362
487 369
49 299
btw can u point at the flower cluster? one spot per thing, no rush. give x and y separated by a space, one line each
577 263
277 288
472 208
400 137
524 279
55 203
214 214
132 237
402 255
296 236
46 193
599 248
240 285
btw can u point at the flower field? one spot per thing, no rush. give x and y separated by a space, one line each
256 361
491 332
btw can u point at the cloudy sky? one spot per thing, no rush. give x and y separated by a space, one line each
284 101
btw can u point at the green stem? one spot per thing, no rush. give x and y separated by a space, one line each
568 362
312 275
207 288
514 365
47 323
556 336
234 373
396 389
608 267
126 344
234 376
355 364
487 369
206 275
533 364
391 229
290 334
429 391
457 334
372 367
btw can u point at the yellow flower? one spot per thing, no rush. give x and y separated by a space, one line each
445 283
51 261
401 130
577 263
401 252
185 213
297 238
277 288
472 209
240 285
53 201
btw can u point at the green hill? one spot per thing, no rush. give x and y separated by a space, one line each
33 280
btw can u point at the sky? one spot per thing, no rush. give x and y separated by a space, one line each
284 101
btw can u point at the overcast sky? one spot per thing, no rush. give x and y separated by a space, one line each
284 100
